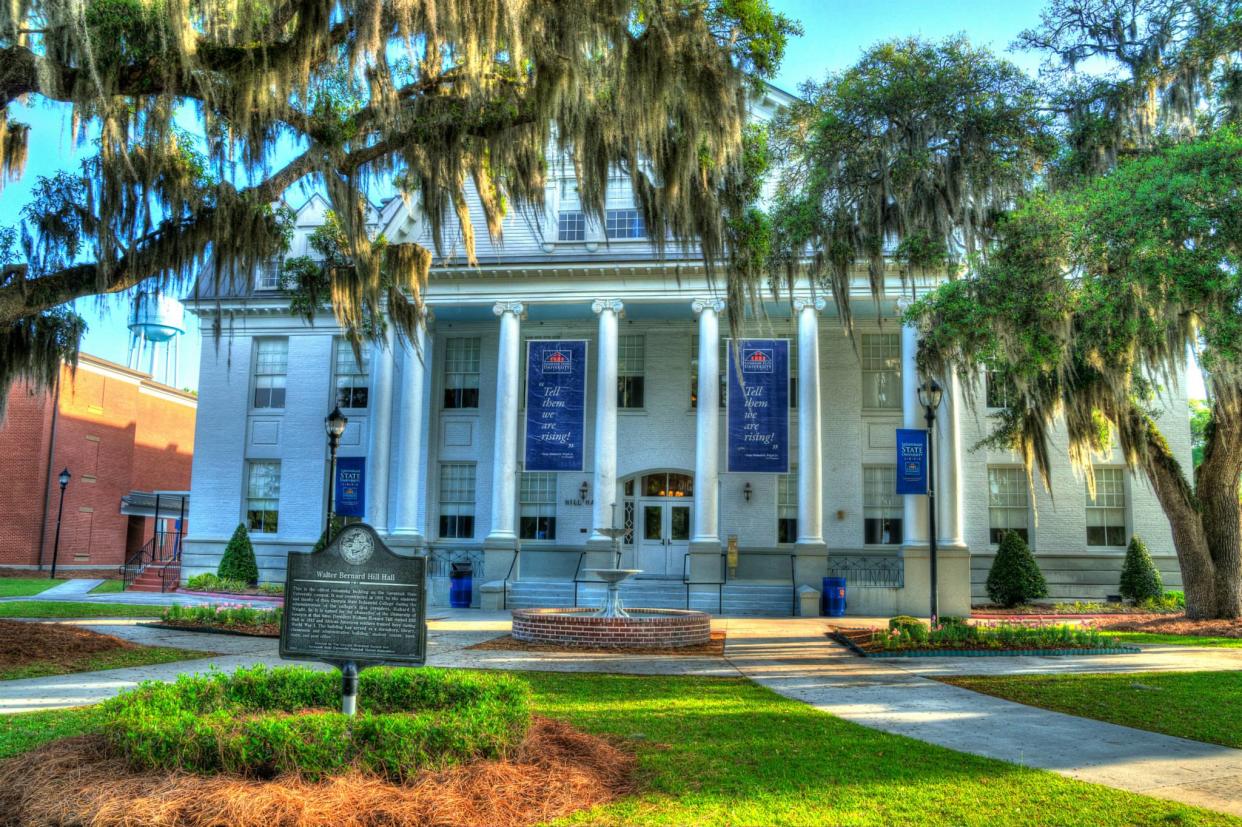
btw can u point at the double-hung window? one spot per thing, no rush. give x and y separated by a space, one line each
881 371
351 376
1106 513
1008 504
461 372
882 508
537 506
271 364
787 507
624 224
571 225
631 358
998 389
263 496
457 500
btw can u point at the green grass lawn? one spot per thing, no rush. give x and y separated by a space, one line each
725 751
52 608
109 587
1203 706
118 659
25 586
1179 640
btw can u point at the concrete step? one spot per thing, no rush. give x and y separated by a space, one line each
739 599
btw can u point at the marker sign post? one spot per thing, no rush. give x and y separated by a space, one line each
355 604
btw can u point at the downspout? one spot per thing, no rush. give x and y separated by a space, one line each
47 476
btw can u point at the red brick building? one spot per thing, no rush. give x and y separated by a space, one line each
118 432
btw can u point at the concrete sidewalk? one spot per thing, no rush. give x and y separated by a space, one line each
795 659
78 590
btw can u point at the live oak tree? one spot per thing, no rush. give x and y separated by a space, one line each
208 111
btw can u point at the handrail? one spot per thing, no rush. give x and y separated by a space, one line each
793 585
163 547
504 586
719 584
577 569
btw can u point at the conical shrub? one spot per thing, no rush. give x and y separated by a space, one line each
1015 577
238 562
1140 579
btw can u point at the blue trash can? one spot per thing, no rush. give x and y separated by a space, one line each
833 597
461 586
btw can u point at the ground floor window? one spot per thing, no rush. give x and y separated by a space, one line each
457 500
1008 505
787 508
882 508
1106 512
263 496
537 518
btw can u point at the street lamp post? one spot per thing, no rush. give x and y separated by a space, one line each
930 394
60 510
334 423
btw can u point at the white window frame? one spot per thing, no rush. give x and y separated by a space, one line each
270 496
881 364
880 480
1014 499
537 492
268 374
460 369
267 277
347 373
1110 506
571 226
631 363
787 503
624 224
457 498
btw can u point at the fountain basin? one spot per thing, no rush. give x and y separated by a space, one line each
642 629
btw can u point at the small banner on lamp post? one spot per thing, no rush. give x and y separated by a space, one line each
351 487
911 461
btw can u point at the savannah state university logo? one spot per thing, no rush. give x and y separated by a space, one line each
558 361
758 360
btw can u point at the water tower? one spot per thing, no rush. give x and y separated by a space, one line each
155 323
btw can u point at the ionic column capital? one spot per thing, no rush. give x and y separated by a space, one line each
816 303
600 305
501 308
699 305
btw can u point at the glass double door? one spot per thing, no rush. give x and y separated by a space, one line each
664 527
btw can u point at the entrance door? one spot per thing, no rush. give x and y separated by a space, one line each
663 537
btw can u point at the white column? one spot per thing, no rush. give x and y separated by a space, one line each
505 445
410 428
914 523
948 464
810 444
605 478
381 433
707 422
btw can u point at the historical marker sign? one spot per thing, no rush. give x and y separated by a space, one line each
355 601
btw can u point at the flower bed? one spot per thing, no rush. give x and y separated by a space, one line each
237 619
911 637
1170 603
262 722
211 584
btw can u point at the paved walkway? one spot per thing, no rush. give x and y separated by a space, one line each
794 658
78 590
73 589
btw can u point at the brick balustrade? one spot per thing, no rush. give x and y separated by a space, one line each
645 628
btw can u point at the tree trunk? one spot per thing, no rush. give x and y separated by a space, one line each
1216 486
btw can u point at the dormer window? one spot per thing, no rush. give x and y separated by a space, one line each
571 226
268 277
624 224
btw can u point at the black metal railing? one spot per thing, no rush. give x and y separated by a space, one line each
793 585
880 578
504 591
719 584
164 548
577 570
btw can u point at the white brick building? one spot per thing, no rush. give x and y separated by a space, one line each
428 429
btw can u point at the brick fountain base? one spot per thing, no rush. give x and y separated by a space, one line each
643 629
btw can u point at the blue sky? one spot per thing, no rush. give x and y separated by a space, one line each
837 31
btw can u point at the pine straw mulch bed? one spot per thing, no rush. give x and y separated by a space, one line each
713 648
262 630
1177 624
76 782
22 644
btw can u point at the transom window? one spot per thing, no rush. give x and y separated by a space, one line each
352 383
457 500
537 500
668 485
882 508
263 496
881 371
1106 514
571 226
461 372
623 224
271 364
1008 504
787 508
631 359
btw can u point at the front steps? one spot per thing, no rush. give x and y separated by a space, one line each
151 578
738 599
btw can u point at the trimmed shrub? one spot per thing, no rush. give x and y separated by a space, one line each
238 562
208 582
262 722
997 636
1140 579
910 627
1015 577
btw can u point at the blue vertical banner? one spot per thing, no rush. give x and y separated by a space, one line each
758 429
555 404
350 499
911 461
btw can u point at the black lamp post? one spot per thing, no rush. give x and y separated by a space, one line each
930 393
334 423
60 510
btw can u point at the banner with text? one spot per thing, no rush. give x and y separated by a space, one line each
555 404
758 409
350 499
911 461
